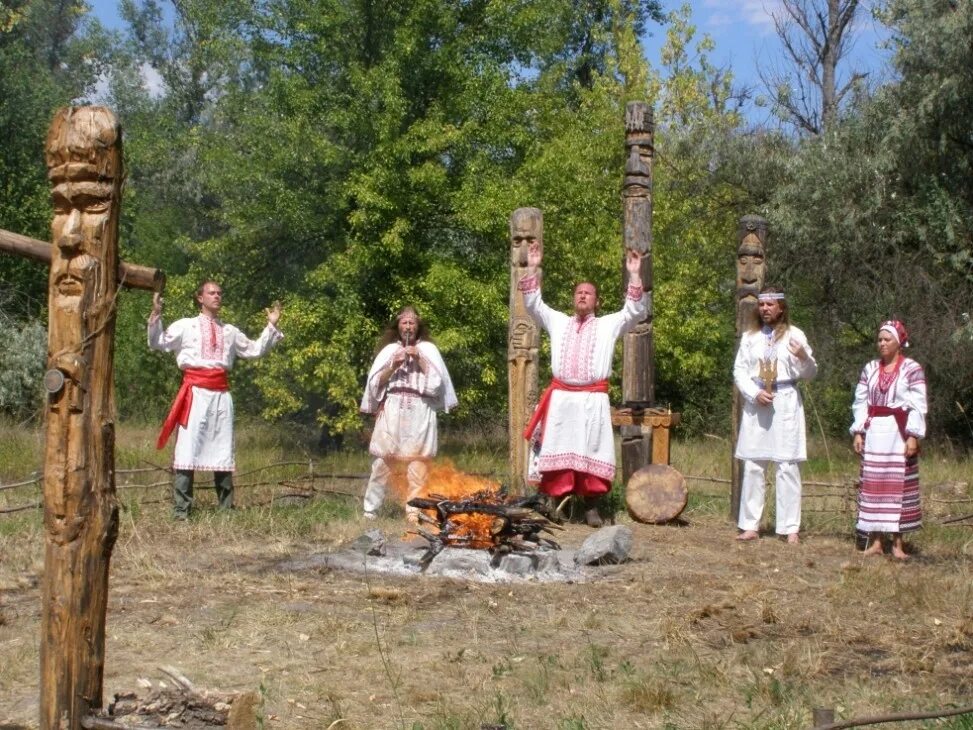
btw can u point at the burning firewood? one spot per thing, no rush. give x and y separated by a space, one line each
485 520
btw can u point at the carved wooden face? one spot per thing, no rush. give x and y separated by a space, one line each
750 266
83 155
525 229
82 213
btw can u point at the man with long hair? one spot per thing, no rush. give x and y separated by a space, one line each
407 384
773 356
202 413
572 422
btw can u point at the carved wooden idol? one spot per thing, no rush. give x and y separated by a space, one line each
751 270
638 372
84 160
523 340
751 267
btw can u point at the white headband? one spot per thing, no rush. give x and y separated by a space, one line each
890 328
770 296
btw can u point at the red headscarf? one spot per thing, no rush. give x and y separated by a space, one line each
897 330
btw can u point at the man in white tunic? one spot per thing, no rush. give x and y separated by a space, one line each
572 422
773 356
202 413
407 384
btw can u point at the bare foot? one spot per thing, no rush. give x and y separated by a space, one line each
874 549
747 536
793 539
899 554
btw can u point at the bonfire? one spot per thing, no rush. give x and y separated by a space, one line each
464 511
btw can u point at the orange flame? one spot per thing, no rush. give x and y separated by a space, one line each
466 529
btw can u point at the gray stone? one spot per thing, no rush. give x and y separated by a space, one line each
606 546
453 561
517 564
370 543
547 561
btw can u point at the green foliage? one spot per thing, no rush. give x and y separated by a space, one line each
21 367
892 218
378 155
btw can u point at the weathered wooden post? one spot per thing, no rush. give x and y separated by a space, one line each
638 372
84 161
654 491
751 269
523 341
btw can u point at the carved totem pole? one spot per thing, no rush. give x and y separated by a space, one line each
751 269
84 160
638 374
523 341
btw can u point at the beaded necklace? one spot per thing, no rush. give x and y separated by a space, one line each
885 379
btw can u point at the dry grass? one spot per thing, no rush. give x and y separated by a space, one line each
696 632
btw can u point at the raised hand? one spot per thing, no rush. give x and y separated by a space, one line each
274 312
534 254
156 306
633 262
797 349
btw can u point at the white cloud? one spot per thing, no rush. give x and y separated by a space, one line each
755 13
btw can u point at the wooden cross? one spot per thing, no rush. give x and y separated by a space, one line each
84 161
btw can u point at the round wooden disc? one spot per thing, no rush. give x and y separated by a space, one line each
53 380
656 493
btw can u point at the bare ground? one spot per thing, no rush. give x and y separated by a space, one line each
698 631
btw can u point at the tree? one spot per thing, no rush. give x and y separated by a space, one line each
816 36
872 220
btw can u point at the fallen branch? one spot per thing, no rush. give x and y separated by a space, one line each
896 717
955 519
35 480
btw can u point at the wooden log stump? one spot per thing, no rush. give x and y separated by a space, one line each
656 494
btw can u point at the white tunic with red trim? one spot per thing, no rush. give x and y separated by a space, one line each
578 433
406 423
206 443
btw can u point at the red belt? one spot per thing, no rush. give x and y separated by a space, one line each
901 416
209 378
540 413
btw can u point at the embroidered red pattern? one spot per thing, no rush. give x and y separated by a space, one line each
578 349
211 347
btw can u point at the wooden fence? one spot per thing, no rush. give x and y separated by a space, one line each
306 479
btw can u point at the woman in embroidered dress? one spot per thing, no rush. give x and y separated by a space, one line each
889 419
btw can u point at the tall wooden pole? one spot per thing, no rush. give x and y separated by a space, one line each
751 270
84 160
638 374
523 341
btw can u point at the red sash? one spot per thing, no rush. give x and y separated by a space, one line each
209 378
540 413
901 416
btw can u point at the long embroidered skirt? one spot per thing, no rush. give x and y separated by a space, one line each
888 499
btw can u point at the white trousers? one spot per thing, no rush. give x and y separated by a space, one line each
753 491
378 483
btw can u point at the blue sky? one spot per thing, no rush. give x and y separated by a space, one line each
742 30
